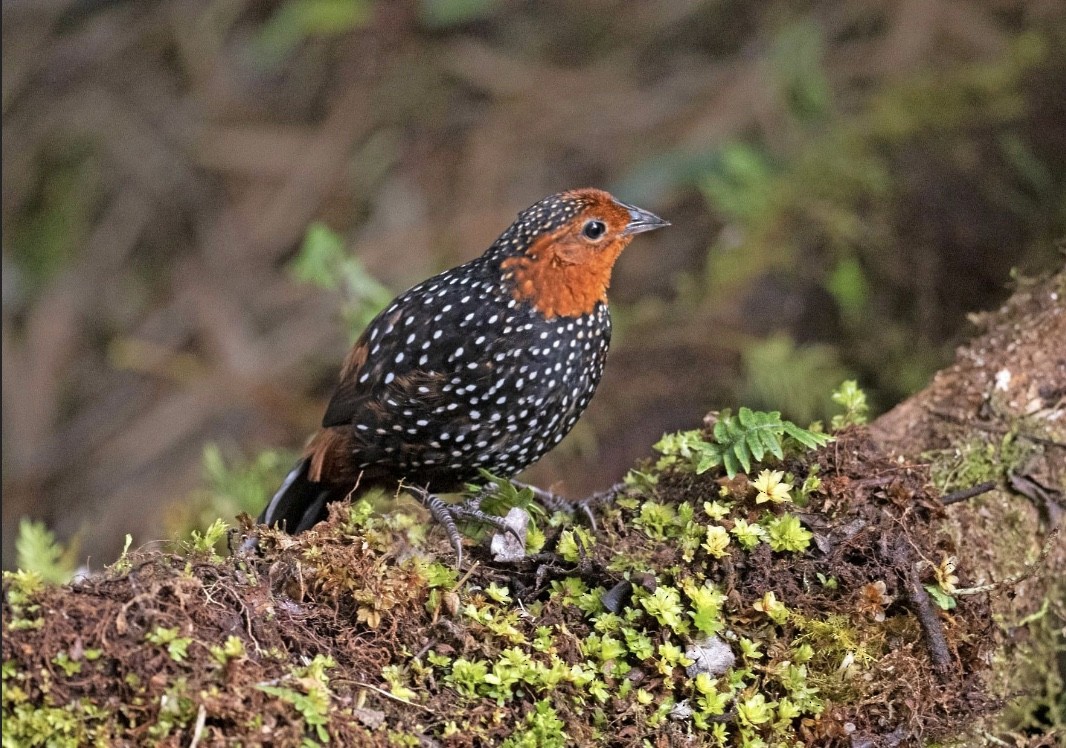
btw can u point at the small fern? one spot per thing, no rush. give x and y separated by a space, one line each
37 550
738 441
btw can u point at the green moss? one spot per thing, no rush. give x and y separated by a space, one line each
980 459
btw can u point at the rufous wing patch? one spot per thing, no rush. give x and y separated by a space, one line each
329 452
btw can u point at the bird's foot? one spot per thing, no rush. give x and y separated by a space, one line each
555 503
447 515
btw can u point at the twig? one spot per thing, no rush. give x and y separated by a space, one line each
967 493
1014 579
384 693
466 576
923 609
198 730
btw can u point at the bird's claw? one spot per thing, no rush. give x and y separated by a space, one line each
448 514
555 503
471 509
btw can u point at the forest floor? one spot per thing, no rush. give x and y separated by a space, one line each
868 602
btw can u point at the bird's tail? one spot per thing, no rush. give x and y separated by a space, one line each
300 503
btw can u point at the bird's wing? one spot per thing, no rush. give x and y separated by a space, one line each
407 356
350 395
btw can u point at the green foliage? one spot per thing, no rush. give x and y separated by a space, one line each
206 543
940 597
982 458
737 440
664 605
773 608
63 662
312 697
658 521
747 534
821 200
37 550
738 181
707 604
232 487
850 288
573 542
467 676
542 729
73 725
177 646
787 534
295 21
446 13
798 68
323 262
176 711
240 486
46 236
122 565
779 374
22 590
772 487
232 649
499 495
853 400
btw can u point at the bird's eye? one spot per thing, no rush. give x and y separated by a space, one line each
594 229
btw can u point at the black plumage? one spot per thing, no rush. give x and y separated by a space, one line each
487 365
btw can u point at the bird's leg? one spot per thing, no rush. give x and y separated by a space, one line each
471 509
556 503
447 514
441 512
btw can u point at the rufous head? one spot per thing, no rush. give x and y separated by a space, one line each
560 251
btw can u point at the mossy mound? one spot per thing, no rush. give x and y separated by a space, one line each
788 608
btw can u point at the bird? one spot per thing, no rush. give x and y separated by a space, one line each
484 367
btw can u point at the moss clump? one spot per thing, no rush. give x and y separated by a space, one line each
754 608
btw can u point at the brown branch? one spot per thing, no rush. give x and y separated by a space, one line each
927 615
967 493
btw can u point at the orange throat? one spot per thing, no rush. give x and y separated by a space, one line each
562 278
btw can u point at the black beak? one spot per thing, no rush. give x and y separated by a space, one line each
641 220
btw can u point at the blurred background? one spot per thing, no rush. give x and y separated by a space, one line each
204 200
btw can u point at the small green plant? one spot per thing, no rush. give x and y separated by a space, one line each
123 564
63 661
206 543
664 605
707 604
737 440
943 591
573 542
323 262
772 487
542 729
781 374
312 701
23 587
232 487
853 400
232 649
787 534
177 646
176 710
467 676
37 550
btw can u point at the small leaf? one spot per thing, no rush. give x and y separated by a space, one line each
756 445
941 598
